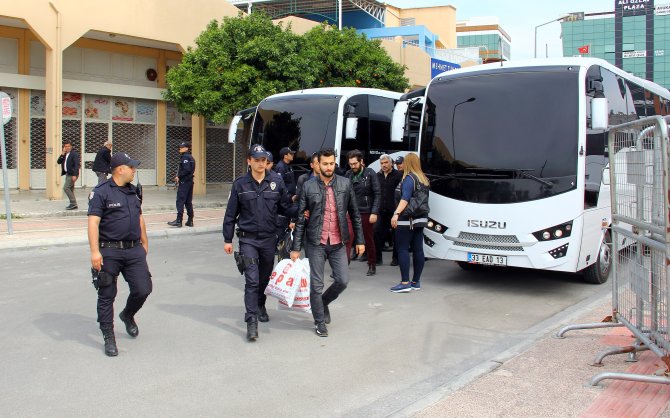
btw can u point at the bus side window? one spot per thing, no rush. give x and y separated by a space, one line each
638 107
361 142
381 112
616 99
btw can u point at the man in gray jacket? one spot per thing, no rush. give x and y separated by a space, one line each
327 199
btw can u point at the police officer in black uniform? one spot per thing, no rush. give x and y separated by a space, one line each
255 200
184 181
117 236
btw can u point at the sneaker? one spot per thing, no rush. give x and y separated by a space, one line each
394 262
321 330
416 285
72 207
401 288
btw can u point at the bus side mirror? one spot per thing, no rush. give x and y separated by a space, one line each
351 127
599 110
232 131
398 121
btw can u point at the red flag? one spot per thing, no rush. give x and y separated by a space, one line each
583 49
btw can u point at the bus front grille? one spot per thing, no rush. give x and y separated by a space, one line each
488 242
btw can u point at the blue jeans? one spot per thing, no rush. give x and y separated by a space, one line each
337 257
404 239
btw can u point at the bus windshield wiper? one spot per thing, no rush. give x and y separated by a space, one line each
522 172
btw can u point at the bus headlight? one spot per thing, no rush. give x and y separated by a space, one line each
435 226
555 232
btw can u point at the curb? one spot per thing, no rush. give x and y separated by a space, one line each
26 244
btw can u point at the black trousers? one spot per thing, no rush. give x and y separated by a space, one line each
132 263
185 198
257 276
384 231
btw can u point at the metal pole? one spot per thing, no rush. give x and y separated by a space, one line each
5 178
339 17
546 23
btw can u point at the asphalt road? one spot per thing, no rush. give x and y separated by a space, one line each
385 352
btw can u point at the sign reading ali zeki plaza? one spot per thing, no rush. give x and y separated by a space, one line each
633 7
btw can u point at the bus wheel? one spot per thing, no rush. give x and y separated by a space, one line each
598 272
468 266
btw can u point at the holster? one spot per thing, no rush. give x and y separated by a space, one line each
243 262
101 278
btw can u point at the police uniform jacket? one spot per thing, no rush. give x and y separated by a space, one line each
387 185
102 161
186 167
286 173
366 188
313 199
254 207
119 209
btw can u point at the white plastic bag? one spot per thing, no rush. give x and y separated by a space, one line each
301 302
285 281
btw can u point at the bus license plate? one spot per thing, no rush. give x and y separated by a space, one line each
493 260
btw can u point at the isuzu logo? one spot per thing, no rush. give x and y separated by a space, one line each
475 223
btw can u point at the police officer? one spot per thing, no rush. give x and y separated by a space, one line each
184 180
255 200
117 237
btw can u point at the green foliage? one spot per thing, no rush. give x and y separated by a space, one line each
349 59
236 64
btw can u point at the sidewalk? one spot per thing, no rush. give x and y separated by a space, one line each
38 221
551 378
544 377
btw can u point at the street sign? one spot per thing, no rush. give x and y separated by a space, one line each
6 107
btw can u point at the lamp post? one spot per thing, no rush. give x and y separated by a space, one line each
453 115
546 23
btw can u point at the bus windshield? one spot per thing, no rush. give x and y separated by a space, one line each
500 138
305 123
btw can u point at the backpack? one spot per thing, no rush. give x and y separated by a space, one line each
418 203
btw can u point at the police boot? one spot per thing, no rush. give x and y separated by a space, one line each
252 330
189 221
110 340
176 222
131 326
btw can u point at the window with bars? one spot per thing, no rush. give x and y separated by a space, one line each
11 134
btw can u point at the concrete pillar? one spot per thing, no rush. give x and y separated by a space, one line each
24 114
198 145
54 121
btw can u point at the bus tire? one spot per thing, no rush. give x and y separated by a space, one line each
598 272
468 266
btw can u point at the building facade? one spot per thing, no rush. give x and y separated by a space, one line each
88 72
486 34
635 37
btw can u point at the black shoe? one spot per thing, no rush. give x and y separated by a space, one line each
363 258
131 325
252 330
326 314
394 262
387 248
110 342
321 330
189 222
372 270
263 314
176 222
72 207
380 262
354 257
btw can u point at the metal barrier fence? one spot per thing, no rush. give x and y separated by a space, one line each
638 165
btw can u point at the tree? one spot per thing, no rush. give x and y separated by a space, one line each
347 58
238 63
235 65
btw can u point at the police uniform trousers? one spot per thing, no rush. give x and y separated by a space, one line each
185 198
132 263
257 275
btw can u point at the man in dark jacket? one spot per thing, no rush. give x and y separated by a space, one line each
327 199
69 167
184 181
284 169
103 159
366 187
388 178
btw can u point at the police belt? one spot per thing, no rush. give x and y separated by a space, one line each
251 235
121 245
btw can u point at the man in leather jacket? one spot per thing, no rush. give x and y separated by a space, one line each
327 198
